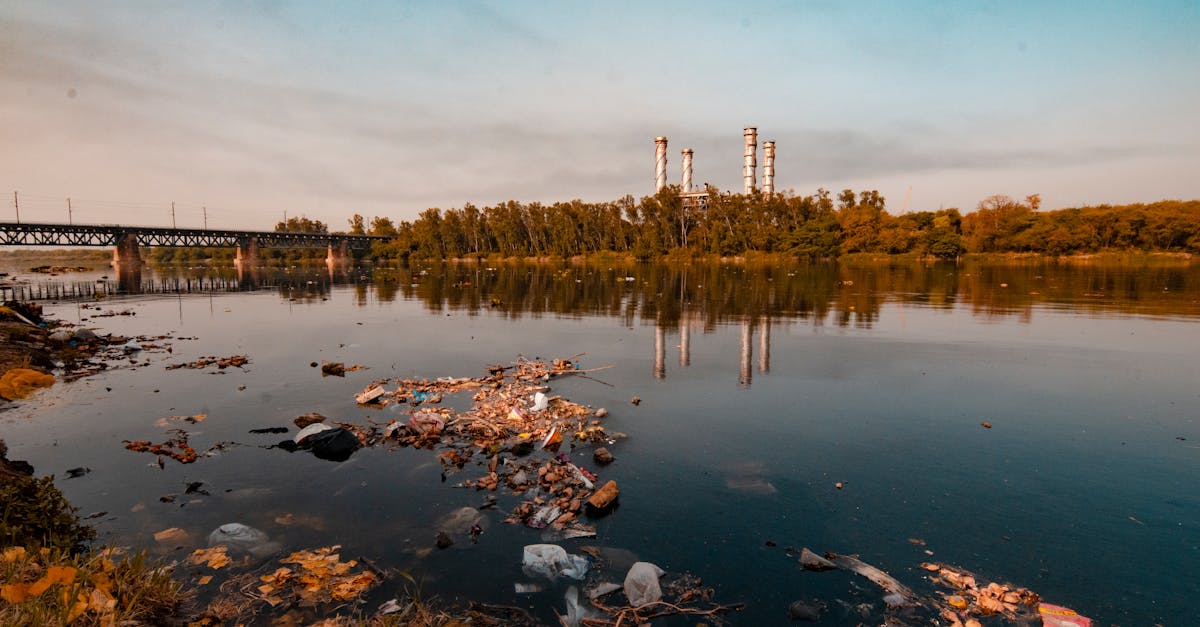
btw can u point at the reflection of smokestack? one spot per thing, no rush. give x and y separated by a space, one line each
768 168
686 184
744 366
751 135
685 341
764 345
660 163
660 352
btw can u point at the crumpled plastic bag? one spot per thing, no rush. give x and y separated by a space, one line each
239 537
641 584
552 561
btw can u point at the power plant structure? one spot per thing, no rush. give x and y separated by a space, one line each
699 198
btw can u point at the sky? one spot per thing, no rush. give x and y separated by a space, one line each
241 112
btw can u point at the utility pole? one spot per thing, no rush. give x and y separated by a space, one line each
172 214
205 210
69 220
17 206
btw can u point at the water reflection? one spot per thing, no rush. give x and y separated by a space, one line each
682 298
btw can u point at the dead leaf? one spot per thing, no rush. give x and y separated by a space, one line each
215 557
172 534
205 579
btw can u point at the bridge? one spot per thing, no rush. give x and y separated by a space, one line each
126 240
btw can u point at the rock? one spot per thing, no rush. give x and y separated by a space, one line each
84 335
333 369
812 561
641 584
308 419
61 336
313 364
602 456
635 400
801 610
443 540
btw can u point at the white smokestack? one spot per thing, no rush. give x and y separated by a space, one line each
660 163
768 185
750 133
686 183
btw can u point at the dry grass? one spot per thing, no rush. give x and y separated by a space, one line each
55 588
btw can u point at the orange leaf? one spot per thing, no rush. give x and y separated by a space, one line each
15 592
13 554
77 610
55 574
205 579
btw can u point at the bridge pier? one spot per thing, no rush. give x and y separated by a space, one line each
129 277
126 252
247 253
339 253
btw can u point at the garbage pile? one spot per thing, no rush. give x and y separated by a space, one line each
511 417
964 600
234 361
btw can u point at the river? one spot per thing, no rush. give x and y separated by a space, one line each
762 390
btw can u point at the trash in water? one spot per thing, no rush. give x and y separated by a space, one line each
333 369
309 431
540 402
308 419
335 444
641 584
603 499
242 539
552 561
814 562
1056 616
369 395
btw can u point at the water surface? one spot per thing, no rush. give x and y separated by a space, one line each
761 389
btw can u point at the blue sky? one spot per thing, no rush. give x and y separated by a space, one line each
255 108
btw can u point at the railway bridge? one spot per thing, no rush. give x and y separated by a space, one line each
126 240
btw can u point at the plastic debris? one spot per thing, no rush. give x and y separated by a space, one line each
552 561
240 538
641 584
540 402
369 395
812 561
310 431
1057 616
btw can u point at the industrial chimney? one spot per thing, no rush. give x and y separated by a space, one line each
768 185
748 172
660 163
686 183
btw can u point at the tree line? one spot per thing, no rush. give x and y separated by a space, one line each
809 227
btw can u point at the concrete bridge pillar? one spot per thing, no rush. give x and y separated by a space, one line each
126 252
247 253
339 253
129 277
